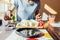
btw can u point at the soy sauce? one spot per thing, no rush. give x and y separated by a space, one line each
0 22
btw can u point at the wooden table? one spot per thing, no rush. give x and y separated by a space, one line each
54 32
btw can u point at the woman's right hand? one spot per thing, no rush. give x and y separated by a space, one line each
38 17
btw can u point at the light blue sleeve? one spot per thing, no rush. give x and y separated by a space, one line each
16 3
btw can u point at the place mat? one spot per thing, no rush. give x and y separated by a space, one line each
14 36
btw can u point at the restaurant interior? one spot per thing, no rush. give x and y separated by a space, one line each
44 26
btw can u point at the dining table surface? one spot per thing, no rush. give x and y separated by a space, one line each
11 34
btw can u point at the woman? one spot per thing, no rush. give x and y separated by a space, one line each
26 8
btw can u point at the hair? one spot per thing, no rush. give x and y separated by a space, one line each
38 7
36 13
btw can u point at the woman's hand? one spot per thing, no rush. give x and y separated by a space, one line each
38 17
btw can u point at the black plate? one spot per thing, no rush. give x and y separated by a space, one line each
33 36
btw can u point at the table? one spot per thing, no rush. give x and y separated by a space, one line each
14 36
4 33
54 32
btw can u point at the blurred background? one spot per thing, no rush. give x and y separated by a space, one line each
47 7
